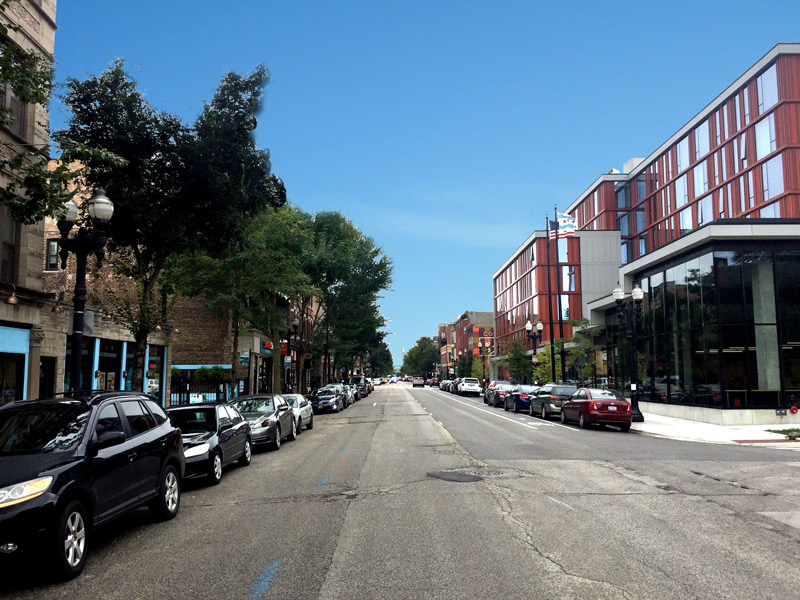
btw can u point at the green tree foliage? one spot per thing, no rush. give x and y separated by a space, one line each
421 358
520 366
380 360
582 355
542 371
250 280
170 194
480 368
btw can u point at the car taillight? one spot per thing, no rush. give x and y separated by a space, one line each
523 396
628 409
179 431
553 398
501 393
592 405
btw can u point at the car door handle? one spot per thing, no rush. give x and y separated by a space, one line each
132 456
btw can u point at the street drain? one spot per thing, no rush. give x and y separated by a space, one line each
455 477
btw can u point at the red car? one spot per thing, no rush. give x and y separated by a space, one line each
590 405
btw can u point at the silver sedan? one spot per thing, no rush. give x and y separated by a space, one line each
301 408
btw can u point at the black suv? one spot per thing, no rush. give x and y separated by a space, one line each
72 463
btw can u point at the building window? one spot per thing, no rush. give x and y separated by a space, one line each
8 245
568 278
772 177
746 102
643 244
700 180
623 196
765 137
640 219
738 113
562 250
626 251
683 154
701 140
18 117
750 192
623 225
681 191
705 212
743 150
686 220
767 89
770 212
595 203
51 260
717 127
565 307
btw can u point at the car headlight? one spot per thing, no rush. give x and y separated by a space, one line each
27 490
196 450
264 423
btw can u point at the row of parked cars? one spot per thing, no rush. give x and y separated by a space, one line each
72 463
462 386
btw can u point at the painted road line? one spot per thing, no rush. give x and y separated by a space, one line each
262 583
374 404
494 414
322 481
561 503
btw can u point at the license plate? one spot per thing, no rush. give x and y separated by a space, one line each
320 406
612 408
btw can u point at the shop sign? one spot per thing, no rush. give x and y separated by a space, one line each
244 357
265 347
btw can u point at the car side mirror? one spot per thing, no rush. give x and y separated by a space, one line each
283 408
225 424
108 439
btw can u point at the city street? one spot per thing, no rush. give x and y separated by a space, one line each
417 493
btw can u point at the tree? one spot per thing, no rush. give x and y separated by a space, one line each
421 358
380 359
520 366
582 355
247 282
542 371
172 194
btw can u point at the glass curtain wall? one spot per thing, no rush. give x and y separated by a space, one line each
719 329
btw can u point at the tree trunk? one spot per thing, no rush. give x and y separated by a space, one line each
277 359
235 350
136 371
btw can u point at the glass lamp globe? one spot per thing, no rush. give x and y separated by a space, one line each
100 207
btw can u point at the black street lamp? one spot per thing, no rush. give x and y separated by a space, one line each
88 240
536 337
481 348
632 312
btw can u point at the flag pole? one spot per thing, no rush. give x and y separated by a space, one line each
560 310
550 303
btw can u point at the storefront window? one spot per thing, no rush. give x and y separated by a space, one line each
12 377
155 370
87 362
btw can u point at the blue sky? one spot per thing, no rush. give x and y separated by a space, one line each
444 129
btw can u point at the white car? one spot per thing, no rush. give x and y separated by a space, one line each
376 381
301 409
469 385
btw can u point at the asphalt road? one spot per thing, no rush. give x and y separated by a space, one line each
351 510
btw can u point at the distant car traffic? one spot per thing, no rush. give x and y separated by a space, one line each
214 435
519 399
418 382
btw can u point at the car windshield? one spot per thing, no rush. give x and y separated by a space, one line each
563 390
255 405
41 428
292 400
326 391
527 389
356 380
503 386
470 380
197 420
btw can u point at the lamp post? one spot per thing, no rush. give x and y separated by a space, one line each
481 348
632 311
86 241
535 336
295 326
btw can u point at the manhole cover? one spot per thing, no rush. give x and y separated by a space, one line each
454 476
488 473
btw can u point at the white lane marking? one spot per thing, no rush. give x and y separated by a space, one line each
561 503
374 404
493 413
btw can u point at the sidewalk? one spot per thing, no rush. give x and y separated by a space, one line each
679 429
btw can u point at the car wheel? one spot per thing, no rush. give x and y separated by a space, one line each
582 421
310 423
69 542
563 417
505 405
215 472
544 412
530 410
165 506
625 428
299 425
516 407
247 455
276 445
485 399
293 432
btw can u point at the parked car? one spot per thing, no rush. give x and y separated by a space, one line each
444 383
376 381
592 405
469 385
270 418
487 390
361 383
497 395
327 398
549 398
418 382
301 408
434 382
214 435
352 394
454 386
519 399
71 464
